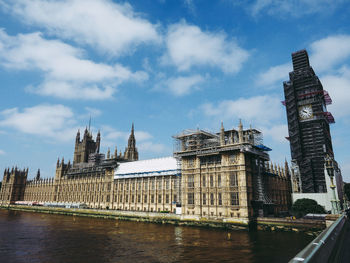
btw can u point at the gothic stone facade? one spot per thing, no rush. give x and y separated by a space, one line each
13 185
227 175
222 175
88 180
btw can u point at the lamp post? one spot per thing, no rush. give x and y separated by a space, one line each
330 171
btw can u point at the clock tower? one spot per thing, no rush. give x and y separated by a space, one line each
308 123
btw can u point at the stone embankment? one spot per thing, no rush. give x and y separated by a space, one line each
310 226
261 223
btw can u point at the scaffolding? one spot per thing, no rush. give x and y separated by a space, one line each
309 138
191 140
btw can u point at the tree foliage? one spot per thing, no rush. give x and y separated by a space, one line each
305 206
347 190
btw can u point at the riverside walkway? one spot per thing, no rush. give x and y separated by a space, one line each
344 246
332 245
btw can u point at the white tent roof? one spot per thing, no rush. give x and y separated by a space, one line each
151 167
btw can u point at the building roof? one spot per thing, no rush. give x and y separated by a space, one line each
151 167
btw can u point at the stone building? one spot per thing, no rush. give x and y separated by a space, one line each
88 180
227 175
13 185
223 175
148 185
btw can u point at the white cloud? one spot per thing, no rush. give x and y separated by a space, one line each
338 86
111 135
274 74
277 132
259 110
67 74
345 169
105 25
151 147
93 112
329 52
325 54
180 86
189 46
190 6
49 121
293 8
2 152
142 136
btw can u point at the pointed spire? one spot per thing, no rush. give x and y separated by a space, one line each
77 138
271 167
38 175
240 132
98 142
108 153
279 170
58 162
131 153
222 134
132 128
286 168
89 123
115 153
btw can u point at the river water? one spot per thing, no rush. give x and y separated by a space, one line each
35 237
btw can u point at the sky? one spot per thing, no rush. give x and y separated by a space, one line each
164 65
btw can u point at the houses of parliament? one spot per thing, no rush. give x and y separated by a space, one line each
223 175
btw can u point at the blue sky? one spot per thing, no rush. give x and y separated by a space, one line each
164 65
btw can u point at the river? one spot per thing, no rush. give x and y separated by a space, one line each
35 237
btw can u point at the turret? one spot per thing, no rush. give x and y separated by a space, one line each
77 138
131 153
108 153
37 175
240 131
232 140
222 134
251 135
286 168
98 141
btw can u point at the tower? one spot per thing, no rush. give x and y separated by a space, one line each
37 175
131 153
86 146
13 185
308 123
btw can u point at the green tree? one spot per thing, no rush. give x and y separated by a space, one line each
305 206
347 190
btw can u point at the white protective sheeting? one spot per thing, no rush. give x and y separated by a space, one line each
145 168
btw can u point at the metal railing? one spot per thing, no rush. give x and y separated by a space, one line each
323 247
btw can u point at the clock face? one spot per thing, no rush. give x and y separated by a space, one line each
305 112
